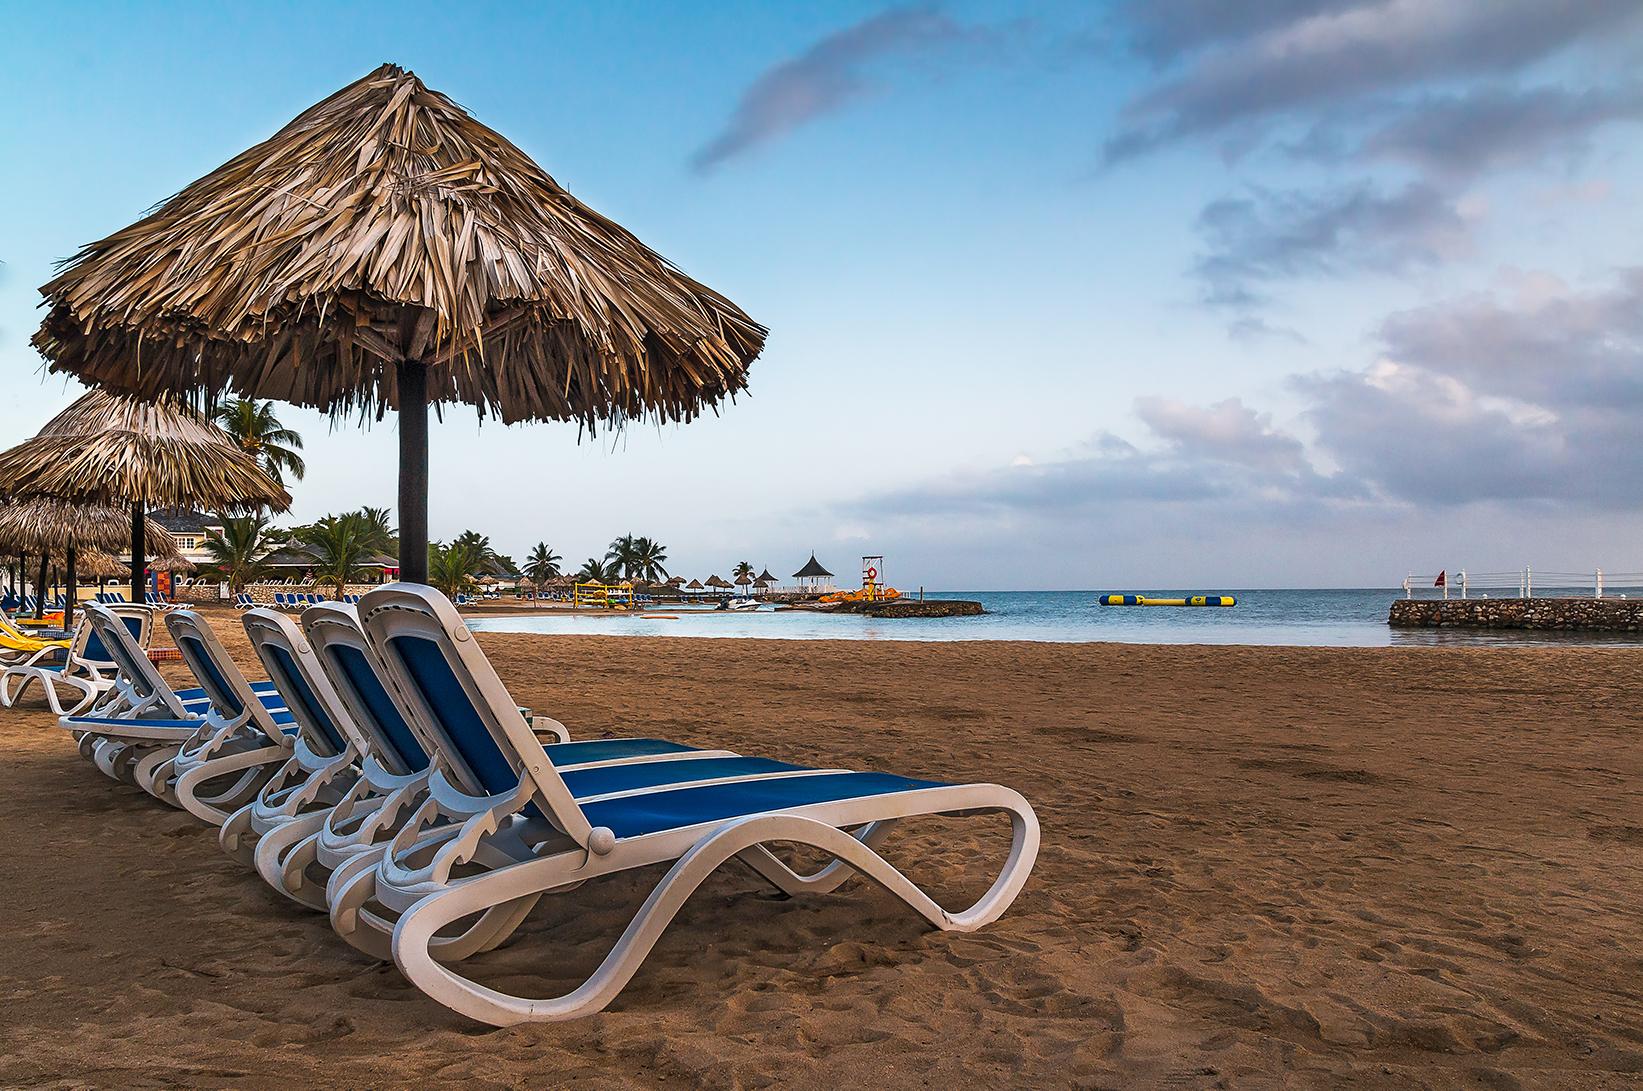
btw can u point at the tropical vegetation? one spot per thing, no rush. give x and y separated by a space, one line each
342 546
594 570
637 558
542 565
452 568
239 554
256 429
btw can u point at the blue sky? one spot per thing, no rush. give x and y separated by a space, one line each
1306 292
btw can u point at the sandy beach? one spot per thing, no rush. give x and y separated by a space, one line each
1307 867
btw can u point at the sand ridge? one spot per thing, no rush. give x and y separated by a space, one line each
1261 866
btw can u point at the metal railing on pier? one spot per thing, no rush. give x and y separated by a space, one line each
1526 582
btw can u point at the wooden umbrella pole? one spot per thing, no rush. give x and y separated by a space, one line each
412 379
139 564
40 589
71 590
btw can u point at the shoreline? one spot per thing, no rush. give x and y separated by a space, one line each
1260 865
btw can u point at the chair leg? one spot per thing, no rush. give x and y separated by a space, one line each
415 935
273 847
237 838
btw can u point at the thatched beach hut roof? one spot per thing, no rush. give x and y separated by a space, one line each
743 581
60 530
765 577
715 581
110 449
694 585
384 250
119 450
100 566
52 526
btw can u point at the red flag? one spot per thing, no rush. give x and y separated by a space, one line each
1442 580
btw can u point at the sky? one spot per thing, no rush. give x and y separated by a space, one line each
1161 293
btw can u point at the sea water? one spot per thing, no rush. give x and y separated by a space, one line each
1345 618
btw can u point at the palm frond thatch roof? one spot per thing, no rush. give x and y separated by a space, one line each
97 565
765 577
694 585
385 223
112 449
51 526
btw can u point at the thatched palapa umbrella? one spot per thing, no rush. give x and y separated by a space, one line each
57 528
385 250
115 450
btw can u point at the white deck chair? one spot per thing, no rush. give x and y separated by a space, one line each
242 744
394 782
602 821
140 724
84 669
320 774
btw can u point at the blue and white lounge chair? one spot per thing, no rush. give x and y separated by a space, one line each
244 601
242 742
139 724
85 669
321 772
581 826
398 776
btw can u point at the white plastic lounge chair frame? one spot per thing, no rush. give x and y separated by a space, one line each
322 771
240 739
395 783
430 897
84 668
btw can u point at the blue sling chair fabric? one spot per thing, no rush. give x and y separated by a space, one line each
424 662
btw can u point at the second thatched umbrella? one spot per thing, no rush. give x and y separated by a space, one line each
386 250
118 451
57 528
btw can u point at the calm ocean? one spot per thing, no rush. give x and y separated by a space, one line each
1292 617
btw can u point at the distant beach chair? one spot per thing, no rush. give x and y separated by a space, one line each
591 823
84 667
244 601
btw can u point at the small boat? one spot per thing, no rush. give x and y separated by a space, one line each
742 604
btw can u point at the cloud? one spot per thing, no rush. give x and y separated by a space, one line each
1514 411
1457 136
1324 55
1228 431
829 75
1164 30
1270 235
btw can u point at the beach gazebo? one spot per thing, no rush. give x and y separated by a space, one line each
56 528
694 585
133 453
385 251
813 578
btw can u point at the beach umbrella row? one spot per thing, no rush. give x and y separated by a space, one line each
383 251
52 528
109 450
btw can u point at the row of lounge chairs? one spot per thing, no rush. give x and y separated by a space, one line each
384 776
291 600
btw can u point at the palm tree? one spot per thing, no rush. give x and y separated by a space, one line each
649 561
542 565
238 553
341 544
254 426
621 556
384 538
451 567
743 568
596 571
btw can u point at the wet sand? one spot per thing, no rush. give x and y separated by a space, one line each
1261 866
